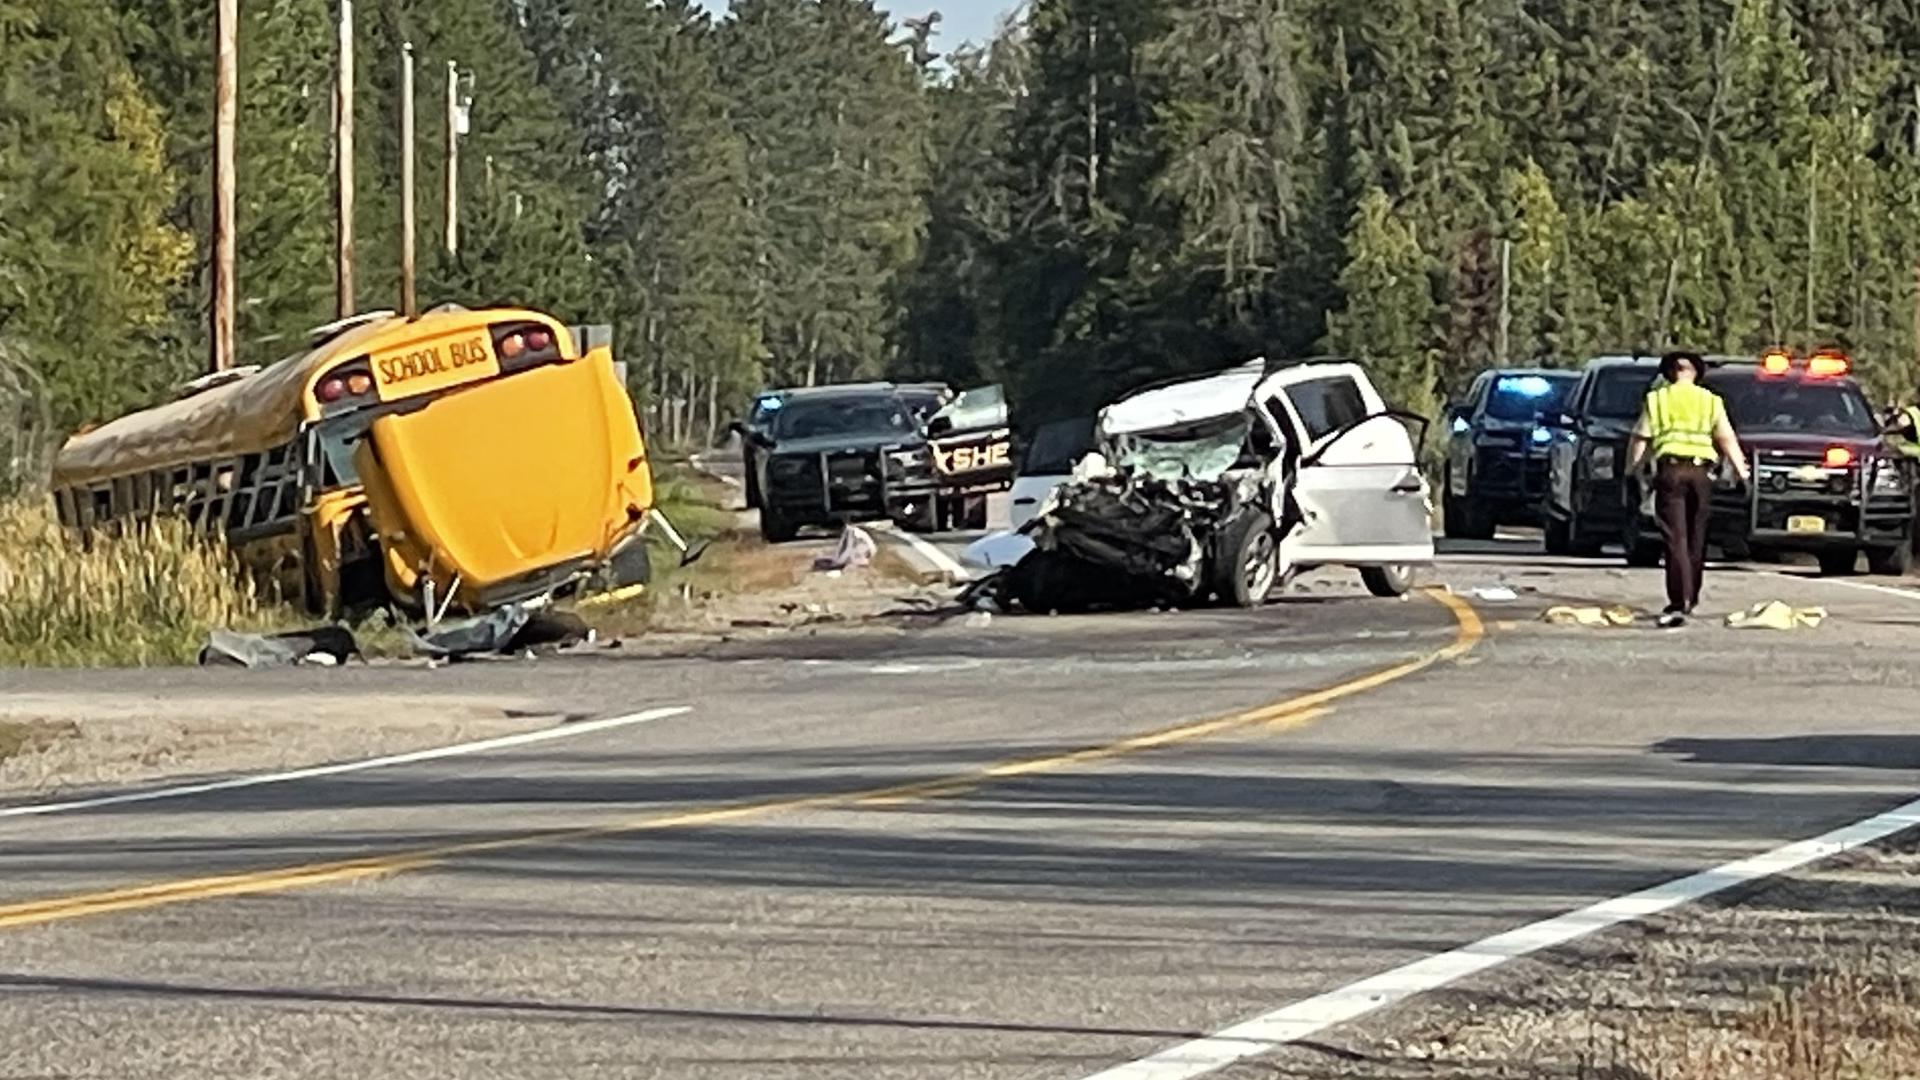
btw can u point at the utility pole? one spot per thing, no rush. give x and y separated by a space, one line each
1813 237
226 61
343 166
1506 302
453 158
409 302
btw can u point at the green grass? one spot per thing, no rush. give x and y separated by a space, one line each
147 597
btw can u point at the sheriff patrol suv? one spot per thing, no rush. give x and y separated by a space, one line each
1586 502
1826 481
1497 441
877 451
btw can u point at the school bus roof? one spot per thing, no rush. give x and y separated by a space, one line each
252 414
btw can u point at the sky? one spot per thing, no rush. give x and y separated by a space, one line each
960 20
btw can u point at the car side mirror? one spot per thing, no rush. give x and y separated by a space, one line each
738 427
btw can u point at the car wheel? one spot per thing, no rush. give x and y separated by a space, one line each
1047 583
974 517
775 527
1248 563
1839 563
1388 581
1476 520
1453 513
1893 561
1559 536
1643 552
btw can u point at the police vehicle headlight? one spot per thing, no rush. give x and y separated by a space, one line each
1601 463
1888 479
915 460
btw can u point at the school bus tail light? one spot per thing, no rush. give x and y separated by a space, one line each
524 345
345 387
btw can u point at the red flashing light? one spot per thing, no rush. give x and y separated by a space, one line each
1838 457
331 389
1776 363
539 340
1828 365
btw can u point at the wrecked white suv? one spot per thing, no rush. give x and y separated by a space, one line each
1220 487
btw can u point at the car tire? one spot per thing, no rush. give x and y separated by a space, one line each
775 527
1839 563
974 516
1476 520
1453 513
1643 552
1894 561
752 487
1246 564
1559 536
1043 583
1388 581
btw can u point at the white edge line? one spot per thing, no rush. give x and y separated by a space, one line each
1305 1019
501 742
1867 586
941 561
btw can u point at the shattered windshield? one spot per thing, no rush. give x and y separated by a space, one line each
1203 452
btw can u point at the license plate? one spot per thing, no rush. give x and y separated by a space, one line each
434 365
1806 523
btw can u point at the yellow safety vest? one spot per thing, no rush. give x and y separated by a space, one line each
1681 419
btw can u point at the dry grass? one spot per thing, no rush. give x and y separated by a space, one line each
19 738
1844 1019
144 598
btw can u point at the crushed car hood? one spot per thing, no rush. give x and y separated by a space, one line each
1184 403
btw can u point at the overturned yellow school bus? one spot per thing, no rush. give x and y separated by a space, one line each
462 460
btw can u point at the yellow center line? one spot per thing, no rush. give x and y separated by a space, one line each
1292 713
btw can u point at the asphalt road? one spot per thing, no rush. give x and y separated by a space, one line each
960 851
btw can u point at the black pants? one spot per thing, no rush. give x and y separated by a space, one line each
1682 494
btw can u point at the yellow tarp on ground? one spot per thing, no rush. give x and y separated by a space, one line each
1776 615
1598 617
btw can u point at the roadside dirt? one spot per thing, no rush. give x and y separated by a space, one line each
52 744
1814 977
789 595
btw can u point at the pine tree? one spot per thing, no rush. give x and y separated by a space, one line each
88 257
1386 323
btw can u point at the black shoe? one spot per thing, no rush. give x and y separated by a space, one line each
1671 620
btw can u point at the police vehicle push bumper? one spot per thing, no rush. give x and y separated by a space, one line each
1835 505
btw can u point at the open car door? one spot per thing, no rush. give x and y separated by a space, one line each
971 442
1358 485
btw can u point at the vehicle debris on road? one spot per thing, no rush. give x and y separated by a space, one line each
323 646
855 549
1777 615
1594 617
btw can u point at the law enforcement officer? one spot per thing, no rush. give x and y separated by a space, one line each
1904 426
1685 426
